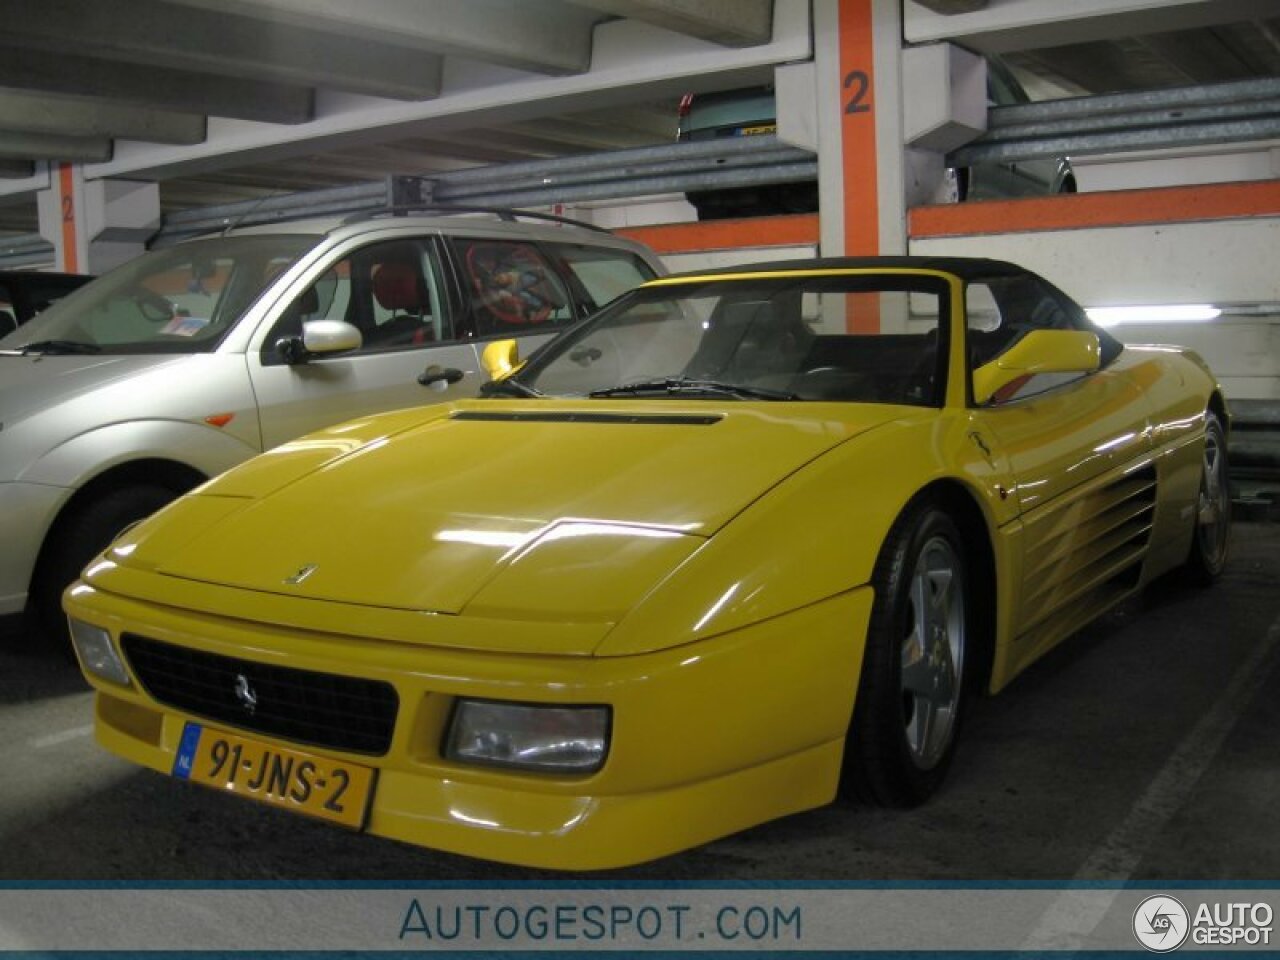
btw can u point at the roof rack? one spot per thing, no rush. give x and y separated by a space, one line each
502 213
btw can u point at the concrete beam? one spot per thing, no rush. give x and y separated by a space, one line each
734 23
155 33
89 117
1012 25
541 37
632 62
149 85
48 146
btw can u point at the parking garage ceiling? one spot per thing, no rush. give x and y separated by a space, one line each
78 78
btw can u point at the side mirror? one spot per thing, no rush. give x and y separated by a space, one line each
1040 351
500 359
319 338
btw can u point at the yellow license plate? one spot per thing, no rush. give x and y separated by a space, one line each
757 130
302 782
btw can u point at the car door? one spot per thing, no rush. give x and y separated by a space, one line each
395 293
1078 450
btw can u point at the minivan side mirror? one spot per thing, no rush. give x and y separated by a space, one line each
319 338
1040 351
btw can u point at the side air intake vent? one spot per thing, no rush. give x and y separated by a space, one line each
1089 554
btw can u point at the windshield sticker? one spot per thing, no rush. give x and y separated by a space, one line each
184 326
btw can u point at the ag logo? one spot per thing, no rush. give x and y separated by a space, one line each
1161 923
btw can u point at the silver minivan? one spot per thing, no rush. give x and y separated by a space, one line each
184 362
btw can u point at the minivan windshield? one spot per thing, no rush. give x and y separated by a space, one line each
183 299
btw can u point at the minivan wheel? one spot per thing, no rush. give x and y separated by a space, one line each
78 538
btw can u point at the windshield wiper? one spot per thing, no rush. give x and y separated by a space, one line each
688 385
509 387
57 347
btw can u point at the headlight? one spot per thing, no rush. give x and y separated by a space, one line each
529 736
97 652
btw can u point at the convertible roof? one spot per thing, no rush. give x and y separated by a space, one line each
967 268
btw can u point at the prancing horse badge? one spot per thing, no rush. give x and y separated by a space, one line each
302 574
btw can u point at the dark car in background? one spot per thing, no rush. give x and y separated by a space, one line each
24 293
752 111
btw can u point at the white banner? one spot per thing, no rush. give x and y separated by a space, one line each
566 918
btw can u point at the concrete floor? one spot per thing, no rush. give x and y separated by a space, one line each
1143 748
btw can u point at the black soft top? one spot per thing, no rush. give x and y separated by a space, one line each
966 268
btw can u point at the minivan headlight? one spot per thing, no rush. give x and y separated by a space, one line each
526 736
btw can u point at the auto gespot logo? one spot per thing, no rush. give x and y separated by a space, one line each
1162 924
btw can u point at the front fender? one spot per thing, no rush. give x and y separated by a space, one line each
77 460
814 536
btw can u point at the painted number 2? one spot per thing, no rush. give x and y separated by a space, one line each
857 82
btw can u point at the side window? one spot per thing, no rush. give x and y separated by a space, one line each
600 274
510 286
1000 312
391 292
851 359
405 306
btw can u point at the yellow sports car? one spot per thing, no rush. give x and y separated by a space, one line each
739 543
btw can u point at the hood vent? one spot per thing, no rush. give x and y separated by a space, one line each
554 416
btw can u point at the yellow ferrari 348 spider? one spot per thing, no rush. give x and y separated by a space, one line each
740 542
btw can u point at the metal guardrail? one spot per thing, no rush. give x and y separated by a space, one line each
25 250
330 201
1217 113
667 168
1126 122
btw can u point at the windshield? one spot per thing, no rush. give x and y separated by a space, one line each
180 300
756 339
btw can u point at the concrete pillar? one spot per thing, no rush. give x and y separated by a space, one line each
945 106
858 65
95 225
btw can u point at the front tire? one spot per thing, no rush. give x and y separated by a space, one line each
1212 536
81 536
911 692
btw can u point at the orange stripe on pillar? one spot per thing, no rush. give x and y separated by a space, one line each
66 198
859 150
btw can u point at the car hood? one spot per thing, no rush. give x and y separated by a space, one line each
30 384
536 509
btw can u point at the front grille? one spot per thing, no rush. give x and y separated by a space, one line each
318 709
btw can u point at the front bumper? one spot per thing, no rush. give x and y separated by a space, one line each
708 738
